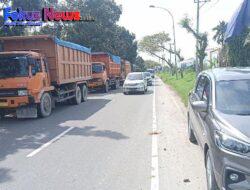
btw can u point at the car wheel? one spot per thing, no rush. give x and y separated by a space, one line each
84 93
191 135
78 96
125 93
45 106
211 181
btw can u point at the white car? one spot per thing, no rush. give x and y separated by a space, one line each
135 82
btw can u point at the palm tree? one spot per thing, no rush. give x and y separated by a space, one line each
220 30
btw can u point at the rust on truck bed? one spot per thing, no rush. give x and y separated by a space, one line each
67 62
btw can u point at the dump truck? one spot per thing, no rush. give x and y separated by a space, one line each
36 72
106 71
125 69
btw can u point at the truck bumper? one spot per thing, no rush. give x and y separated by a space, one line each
23 107
94 85
14 102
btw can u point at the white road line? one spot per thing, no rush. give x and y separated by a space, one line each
154 164
48 143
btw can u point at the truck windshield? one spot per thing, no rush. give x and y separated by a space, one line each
13 66
233 97
97 68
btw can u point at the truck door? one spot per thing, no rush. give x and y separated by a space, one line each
46 72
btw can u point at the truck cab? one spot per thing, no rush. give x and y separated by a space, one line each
23 76
99 76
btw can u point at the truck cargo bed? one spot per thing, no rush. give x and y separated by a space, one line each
67 62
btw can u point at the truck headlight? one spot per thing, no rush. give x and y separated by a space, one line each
231 144
22 92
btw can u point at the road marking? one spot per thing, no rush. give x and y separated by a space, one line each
154 164
49 143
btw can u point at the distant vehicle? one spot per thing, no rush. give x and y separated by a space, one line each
152 71
38 71
148 76
218 119
108 71
135 82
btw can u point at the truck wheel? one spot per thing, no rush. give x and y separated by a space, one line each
45 106
78 97
84 93
106 87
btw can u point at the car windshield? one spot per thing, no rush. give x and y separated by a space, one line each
135 76
233 97
13 66
97 68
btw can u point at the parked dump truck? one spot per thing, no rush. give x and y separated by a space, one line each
38 71
125 69
106 71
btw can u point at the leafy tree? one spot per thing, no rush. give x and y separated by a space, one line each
103 34
139 64
201 39
151 64
220 30
156 44
25 5
238 51
153 45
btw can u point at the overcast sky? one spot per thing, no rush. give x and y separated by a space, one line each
142 20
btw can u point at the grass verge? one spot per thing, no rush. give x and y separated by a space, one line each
181 85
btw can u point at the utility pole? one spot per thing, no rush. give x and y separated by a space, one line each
200 4
170 53
173 21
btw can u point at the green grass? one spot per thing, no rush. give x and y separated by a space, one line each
181 85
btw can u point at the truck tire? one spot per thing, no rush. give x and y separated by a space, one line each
78 96
106 87
84 93
45 106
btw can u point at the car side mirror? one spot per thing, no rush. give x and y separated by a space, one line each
200 106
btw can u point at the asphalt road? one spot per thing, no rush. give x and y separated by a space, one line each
111 142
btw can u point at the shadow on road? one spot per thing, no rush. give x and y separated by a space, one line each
99 93
16 135
5 175
90 131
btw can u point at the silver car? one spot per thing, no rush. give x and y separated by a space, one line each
135 82
218 119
